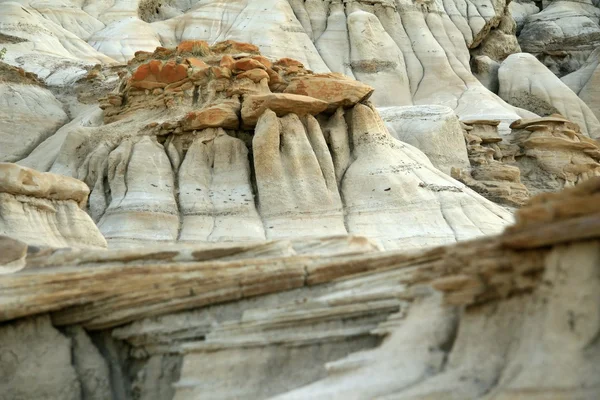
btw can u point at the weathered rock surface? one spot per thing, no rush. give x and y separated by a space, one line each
520 10
410 47
585 82
540 155
471 320
45 209
526 83
493 173
563 34
554 154
36 362
435 130
259 210
27 108
171 161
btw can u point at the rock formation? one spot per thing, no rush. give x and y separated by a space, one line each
45 209
299 199
493 172
563 34
525 82
490 318
584 82
237 138
540 155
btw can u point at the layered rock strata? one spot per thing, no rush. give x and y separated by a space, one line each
45 209
540 155
402 49
553 153
492 172
218 143
484 319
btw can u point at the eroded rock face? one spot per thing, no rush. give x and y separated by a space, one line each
402 49
493 173
554 154
525 82
562 35
440 322
540 155
585 82
45 209
200 139
27 108
435 130
34 351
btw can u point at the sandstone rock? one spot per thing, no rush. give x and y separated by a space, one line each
44 209
168 158
224 115
32 111
17 180
520 10
295 177
338 91
382 175
281 103
215 191
494 172
121 38
500 42
563 156
255 75
486 71
491 294
142 205
13 254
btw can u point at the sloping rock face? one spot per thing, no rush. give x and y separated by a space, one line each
435 130
492 318
45 209
28 108
585 82
218 143
242 199
525 82
563 34
403 49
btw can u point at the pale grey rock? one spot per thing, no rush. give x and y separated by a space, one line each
36 362
486 71
525 82
215 191
45 209
142 184
562 35
390 196
30 110
520 10
44 47
586 82
92 369
435 130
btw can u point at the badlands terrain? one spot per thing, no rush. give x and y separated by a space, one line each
299 199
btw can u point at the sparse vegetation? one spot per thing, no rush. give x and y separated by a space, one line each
2 53
201 50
